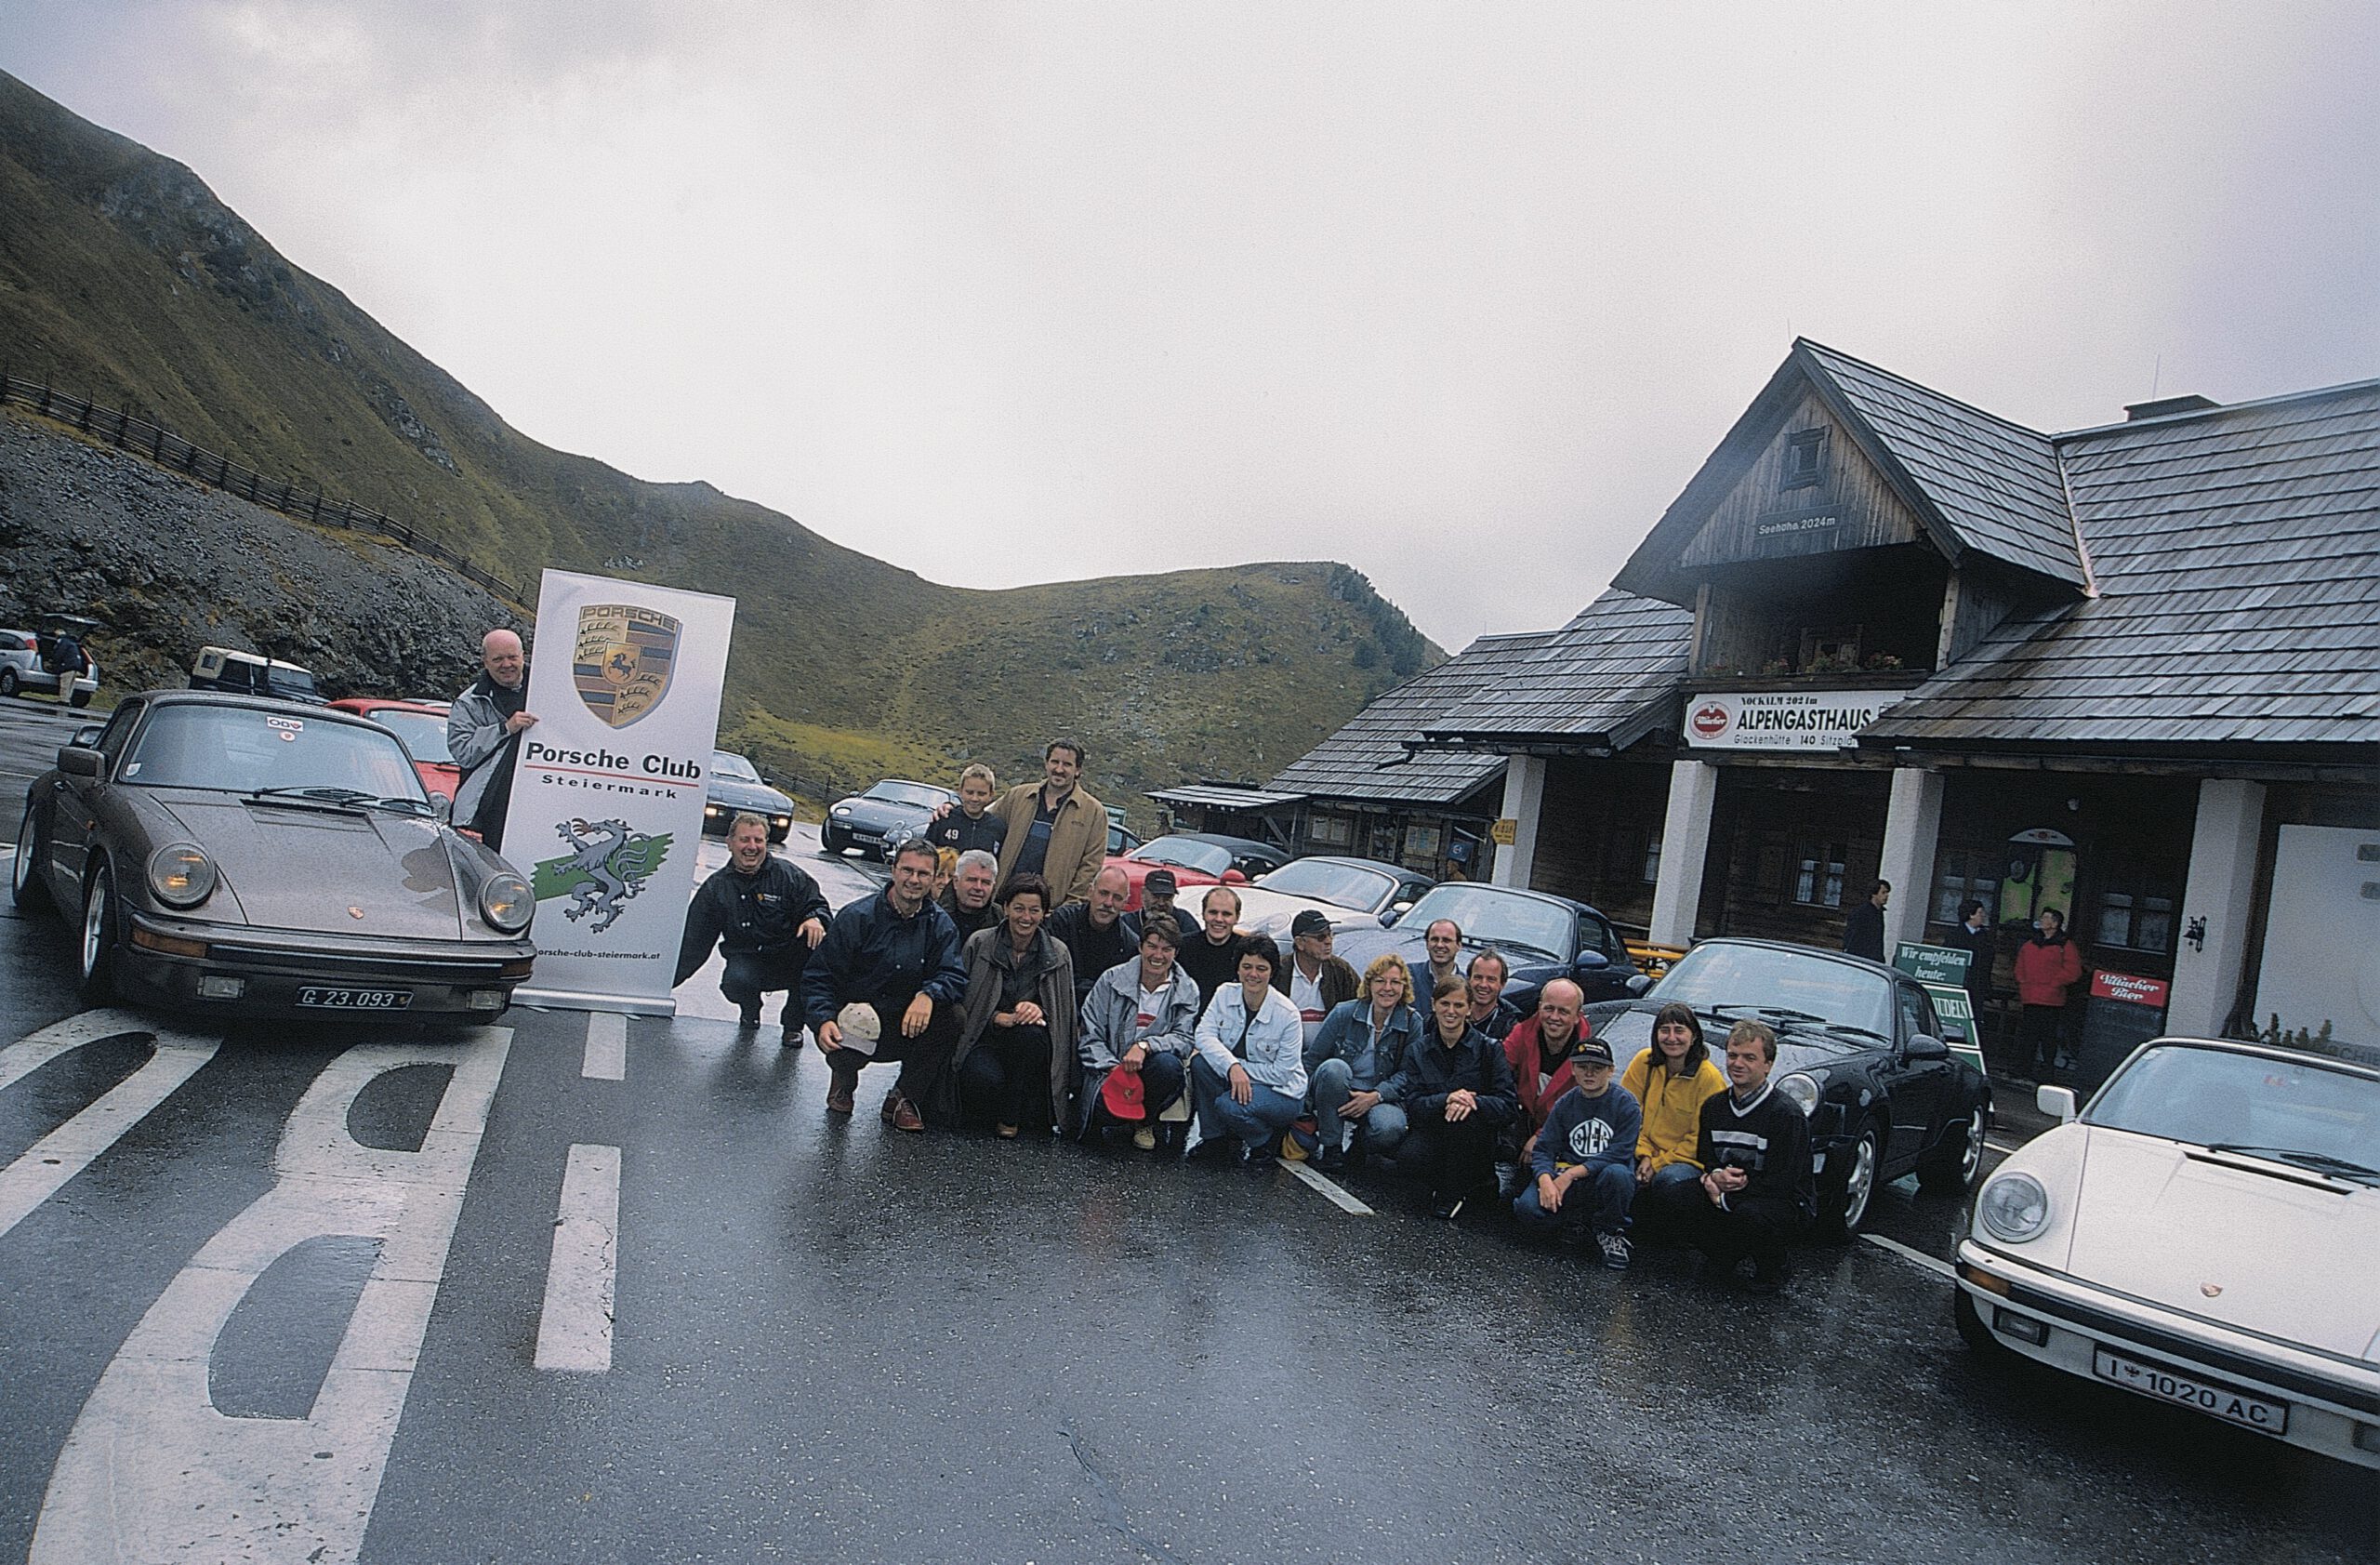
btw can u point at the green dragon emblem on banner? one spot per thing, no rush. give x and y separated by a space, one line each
607 866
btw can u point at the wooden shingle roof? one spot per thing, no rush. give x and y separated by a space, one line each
1601 681
2236 556
1368 758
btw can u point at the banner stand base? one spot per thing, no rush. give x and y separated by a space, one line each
570 1000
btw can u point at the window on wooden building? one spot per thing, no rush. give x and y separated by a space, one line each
1804 458
1652 858
1423 842
1964 874
1330 831
1817 877
2135 905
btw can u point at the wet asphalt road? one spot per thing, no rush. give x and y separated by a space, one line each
829 1342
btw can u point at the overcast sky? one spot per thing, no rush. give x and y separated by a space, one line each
1461 295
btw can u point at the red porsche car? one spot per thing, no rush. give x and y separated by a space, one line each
421 727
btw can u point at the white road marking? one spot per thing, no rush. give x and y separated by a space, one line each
1331 1190
1930 1263
2001 1146
575 1325
607 1047
154 1472
48 1163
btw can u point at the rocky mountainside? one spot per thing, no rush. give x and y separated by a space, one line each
124 280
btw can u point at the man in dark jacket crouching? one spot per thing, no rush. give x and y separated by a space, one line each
769 915
895 955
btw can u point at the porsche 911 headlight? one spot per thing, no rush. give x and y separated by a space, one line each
505 902
182 875
2013 1207
1801 1091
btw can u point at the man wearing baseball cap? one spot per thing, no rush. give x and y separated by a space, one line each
1313 978
1585 1159
1158 890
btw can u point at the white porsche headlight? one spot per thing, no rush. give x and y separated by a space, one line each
182 875
2013 1207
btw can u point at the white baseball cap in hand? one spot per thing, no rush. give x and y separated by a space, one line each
860 1027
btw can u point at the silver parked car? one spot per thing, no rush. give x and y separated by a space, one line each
225 853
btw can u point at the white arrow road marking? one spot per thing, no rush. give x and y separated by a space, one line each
46 1165
607 1047
152 1472
575 1324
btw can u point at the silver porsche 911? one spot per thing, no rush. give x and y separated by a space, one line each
224 853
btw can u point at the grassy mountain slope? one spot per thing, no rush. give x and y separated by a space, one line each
123 278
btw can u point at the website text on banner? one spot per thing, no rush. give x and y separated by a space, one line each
607 793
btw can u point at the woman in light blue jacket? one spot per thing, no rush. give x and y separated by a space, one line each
1248 1075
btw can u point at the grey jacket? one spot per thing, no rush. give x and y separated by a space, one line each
1110 1024
988 955
474 733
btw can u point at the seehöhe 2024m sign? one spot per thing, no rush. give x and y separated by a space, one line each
1783 719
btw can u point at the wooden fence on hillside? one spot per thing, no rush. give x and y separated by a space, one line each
173 453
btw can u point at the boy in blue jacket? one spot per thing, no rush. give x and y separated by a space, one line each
1585 1159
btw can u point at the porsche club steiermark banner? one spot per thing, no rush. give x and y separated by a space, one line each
607 788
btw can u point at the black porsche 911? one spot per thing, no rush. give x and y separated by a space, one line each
1858 1048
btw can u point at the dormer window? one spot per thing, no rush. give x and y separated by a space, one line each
1805 459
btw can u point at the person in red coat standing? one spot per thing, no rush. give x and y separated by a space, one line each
2047 965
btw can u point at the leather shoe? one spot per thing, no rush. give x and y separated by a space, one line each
838 1099
905 1116
891 1104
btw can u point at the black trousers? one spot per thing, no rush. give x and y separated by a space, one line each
1005 1078
752 975
924 1060
1761 1226
2041 1033
1452 1157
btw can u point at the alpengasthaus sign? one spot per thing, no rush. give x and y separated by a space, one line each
1783 719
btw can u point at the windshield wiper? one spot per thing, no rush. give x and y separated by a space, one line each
2320 1162
1776 1010
1862 1031
347 796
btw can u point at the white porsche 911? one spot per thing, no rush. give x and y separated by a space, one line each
2206 1232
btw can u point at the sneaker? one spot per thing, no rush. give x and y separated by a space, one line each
1145 1139
1615 1250
1448 1207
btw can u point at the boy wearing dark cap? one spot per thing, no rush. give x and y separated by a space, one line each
1585 1159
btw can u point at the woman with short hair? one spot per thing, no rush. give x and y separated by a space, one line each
1015 1058
1249 1070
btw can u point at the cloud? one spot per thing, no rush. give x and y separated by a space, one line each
1459 295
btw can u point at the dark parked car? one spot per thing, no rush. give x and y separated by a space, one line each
1857 1047
225 853
735 786
1543 935
883 817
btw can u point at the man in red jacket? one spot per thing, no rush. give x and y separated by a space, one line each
2047 967
1539 1047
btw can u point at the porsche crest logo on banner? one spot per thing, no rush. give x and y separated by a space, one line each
608 788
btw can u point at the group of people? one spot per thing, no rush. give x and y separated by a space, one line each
1016 994
2048 965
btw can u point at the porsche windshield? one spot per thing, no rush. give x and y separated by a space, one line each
2296 1111
1342 885
241 749
725 764
1718 972
424 734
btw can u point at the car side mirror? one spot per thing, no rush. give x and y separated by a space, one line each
1639 982
87 737
442 808
1396 911
1921 1047
79 760
2057 1102
1591 962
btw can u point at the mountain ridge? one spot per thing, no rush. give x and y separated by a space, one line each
125 278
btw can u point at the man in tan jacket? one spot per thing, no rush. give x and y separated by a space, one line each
1056 831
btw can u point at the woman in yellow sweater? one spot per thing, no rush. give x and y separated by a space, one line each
1671 1080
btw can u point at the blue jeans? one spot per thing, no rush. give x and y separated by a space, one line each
1258 1124
1333 1084
1599 1201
